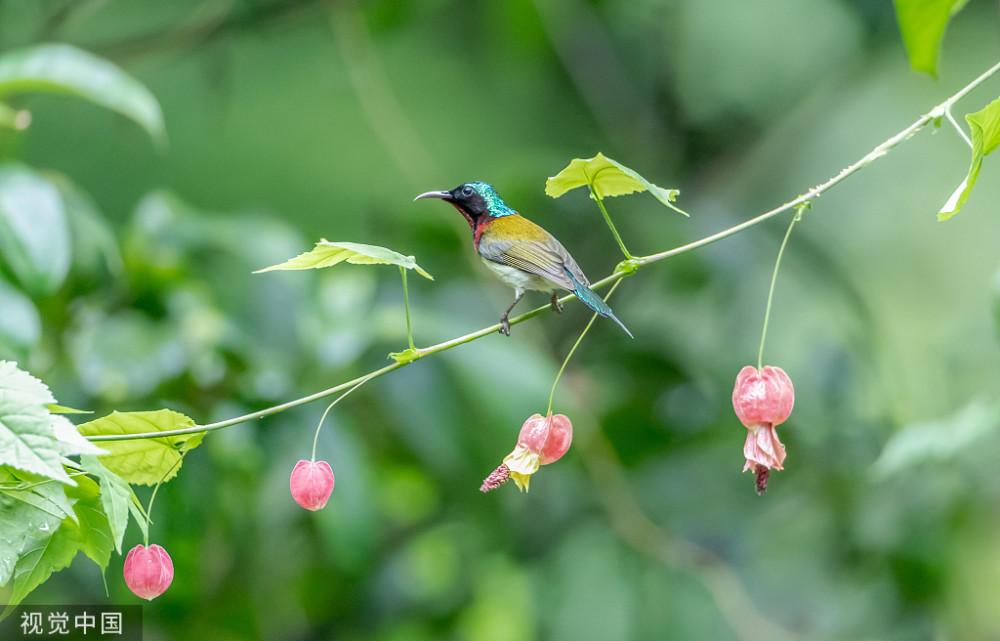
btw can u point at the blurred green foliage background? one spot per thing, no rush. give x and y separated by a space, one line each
292 120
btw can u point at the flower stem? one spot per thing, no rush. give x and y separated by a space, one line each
406 305
774 278
330 407
607 219
152 497
958 128
573 349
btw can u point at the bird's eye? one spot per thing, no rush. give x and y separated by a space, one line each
468 191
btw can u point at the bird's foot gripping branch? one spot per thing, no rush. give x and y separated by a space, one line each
67 488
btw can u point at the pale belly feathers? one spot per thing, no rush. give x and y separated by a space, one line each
517 279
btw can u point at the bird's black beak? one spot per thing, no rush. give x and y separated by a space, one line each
435 194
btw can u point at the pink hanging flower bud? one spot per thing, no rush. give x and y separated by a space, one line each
311 484
148 571
542 440
762 400
763 396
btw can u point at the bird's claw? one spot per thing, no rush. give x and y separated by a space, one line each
504 326
557 306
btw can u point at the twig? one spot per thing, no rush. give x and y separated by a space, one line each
633 266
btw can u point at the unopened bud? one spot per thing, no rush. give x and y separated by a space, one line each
763 396
311 484
148 571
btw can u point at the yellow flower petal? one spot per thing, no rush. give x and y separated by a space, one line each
521 480
522 461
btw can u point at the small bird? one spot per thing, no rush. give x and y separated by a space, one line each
519 252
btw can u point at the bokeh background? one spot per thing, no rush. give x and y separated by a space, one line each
289 121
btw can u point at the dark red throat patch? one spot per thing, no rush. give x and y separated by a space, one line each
472 223
477 229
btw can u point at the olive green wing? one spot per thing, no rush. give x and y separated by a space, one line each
547 259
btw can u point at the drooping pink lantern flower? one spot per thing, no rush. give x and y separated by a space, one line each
311 484
763 399
542 440
148 571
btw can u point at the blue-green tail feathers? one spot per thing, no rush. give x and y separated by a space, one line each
591 299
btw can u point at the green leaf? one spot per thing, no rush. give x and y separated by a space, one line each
34 235
33 508
55 408
28 439
63 69
71 442
37 564
984 125
606 177
405 356
48 556
44 494
328 253
922 24
90 528
145 461
116 495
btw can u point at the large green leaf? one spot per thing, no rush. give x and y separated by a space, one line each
51 555
28 438
63 69
34 235
149 460
606 177
328 253
40 550
922 24
116 495
57 551
27 522
984 125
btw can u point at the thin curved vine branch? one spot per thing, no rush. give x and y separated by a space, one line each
934 114
624 269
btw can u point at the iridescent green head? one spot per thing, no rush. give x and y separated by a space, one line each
494 204
475 200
